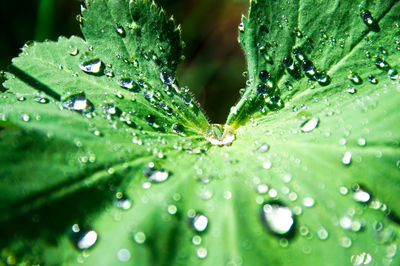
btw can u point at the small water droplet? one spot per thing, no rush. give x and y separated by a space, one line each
308 68
355 78
308 202
172 209
199 222
120 30
140 237
372 79
90 64
72 50
124 255
362 142
277 218
322 233
21 99
178 128
360 194
369 20
122 202
156 176
393 74
77 102
309 125
382 64
42 100
345 242
264 75
262 189
263 148
167 78
346 159
220 135
362 259
201 253
83 239
196 240
125 82
25 117
322 78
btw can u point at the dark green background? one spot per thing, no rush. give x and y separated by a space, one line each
214 60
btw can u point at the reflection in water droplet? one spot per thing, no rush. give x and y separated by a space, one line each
277 218
123 255
200 222
309 125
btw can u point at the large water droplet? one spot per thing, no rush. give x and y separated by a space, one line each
309 125
77 102
220 135
90 64
178 128
277 218
83 239
200 222
382 64
369 20
167 78
360 194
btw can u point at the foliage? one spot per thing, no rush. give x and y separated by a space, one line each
107 160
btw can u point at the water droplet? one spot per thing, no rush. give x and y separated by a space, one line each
83 239
167 78
308 68
369 20
124 255
382 64
196 240
393 74
122 202
372 79
199 222
172 209
277 218
360 194
322 78
322 233
90 64
308 202
120 30
362 142
343 190
345 242
262 189
178 128
263 148
72 50
140 237
264 75
25 118
42 100
125 82
156 176
21 99
264 89
77 102
201 253
346 159
362 259
355 78
309 125
220 135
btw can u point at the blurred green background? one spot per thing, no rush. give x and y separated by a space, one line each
214 60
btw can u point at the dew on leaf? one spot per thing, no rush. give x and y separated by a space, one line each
122 202
343 190
264 75
178 128
382 64
346 159
322 233
72 50
309 125
25 117
77 102
277 218
362 142
362 259
308 202
264 89
172 209
140 237
393 74
124 255
369 20
262 189
120 30
21 99
351 90
263 148
355 78
372 79
156 176
125 82
201 253
345 242
83 239
167 78
360 194
322 78
196 240
90 63
308 67
220 135
199 222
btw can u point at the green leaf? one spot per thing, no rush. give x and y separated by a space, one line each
306 172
